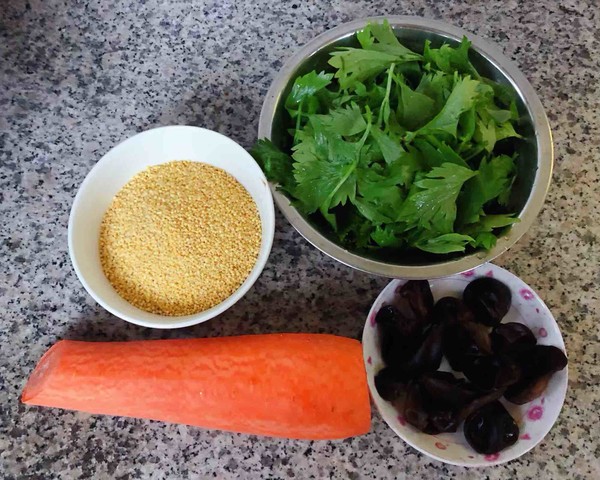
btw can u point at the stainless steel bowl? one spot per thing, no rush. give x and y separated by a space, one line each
535 159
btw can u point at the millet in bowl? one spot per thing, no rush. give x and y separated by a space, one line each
179 238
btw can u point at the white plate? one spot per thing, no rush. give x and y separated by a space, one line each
535 419
117 167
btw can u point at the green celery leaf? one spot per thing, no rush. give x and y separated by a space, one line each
435 153
471 151
414 108
379 196
485 240
329 217
449 59
485 134
400 171
353 228
384 109
514 110
466 126
391 148
460 100
276 164
356 65
405 166
504 197
482 230
346 121
319 179
411 71
447 243
365 37
506 130
381 38
375 212
499 116
342 99
431 203
437 86
370 94
388 235
488 223
494 177
325 180
304 87
360 89
503 93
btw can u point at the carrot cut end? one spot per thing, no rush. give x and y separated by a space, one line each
40 374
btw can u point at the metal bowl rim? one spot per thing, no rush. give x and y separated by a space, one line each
541 126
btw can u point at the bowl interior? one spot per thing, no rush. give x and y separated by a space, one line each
127 159
414 38
534 419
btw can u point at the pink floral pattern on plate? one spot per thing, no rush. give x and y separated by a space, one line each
490 273
525 436
526 294
469 273
543 332
492 457
401 420
535 413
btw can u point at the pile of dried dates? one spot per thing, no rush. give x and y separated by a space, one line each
497 360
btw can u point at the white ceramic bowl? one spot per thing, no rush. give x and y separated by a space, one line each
535 419
117 167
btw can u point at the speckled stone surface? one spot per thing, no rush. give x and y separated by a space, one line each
77 77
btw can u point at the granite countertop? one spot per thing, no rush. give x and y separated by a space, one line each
78 77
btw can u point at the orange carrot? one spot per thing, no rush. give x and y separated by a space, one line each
304 386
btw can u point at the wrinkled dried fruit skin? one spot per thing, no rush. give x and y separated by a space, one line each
429 355
538 363
401 325
388 316
421 414
489 299
432 409
441 421
480 337
447 390
492 371
511 336
446 310
388 385
414 410
527 390
542 359
464 340
426 358
420 298
396 347
480 401
491 429
414 301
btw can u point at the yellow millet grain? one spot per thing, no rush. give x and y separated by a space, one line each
179 238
